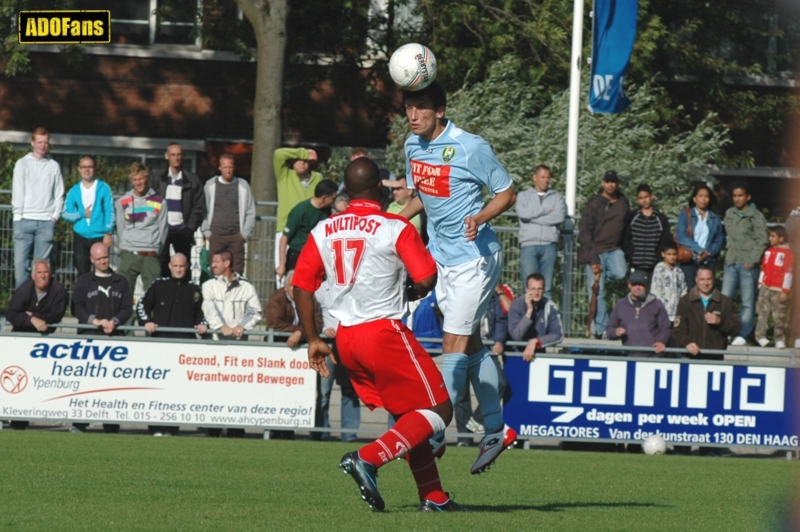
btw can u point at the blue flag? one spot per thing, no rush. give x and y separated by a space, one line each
612 43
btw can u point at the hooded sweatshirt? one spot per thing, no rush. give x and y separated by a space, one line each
141 222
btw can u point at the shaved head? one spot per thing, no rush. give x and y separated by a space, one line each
98 254
362 179
178 258
178 266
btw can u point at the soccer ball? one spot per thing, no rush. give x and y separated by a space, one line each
655 444
413 67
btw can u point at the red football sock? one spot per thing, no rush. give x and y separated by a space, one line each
426 474
409 431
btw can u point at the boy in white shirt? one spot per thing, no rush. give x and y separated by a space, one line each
669 283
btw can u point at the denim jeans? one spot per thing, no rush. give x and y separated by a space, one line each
483 372
36 234
737 277
351 408
539 259
614 269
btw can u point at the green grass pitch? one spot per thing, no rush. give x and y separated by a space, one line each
63 481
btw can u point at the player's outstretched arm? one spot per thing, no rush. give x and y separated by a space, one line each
496 206
317 348
413 208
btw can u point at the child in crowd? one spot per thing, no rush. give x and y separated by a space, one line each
669 283
774 283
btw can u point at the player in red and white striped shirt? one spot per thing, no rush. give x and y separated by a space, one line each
365 253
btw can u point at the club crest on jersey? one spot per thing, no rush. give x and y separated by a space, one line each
448 154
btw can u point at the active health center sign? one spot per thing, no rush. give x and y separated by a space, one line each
118 380
687 403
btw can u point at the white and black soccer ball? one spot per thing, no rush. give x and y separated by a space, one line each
413 67
655 444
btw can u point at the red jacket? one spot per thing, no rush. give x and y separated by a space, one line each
776 269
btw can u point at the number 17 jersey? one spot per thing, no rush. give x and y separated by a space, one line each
364 252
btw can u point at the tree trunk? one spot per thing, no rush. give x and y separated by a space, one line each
268 18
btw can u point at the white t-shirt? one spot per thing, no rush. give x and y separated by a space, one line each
88 195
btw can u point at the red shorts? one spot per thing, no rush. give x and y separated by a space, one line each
389 368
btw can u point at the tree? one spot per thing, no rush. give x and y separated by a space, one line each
268 21
268 18
469 35
717 57
712 57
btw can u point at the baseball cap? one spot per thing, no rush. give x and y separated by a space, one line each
639 277
611 177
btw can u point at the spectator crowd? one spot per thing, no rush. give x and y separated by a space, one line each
671 300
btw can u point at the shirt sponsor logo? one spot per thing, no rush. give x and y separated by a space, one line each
433 180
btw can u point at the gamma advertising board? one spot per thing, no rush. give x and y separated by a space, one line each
64 27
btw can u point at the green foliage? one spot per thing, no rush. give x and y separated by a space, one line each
15 54
8 158
334 167
468 36
506 112
719 49
218 25
704 53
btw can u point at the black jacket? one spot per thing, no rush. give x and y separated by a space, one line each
84 300
50 308
171 302
193 198
590 225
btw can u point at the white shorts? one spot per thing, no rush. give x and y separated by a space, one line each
463 292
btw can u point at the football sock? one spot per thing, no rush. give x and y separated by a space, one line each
426 474
486 381
410 430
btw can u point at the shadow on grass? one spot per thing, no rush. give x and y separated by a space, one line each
560 507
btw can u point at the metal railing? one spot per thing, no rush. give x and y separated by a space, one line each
260 267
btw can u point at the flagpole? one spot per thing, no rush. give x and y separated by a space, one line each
574 105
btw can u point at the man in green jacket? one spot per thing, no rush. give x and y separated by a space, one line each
296 182
747 240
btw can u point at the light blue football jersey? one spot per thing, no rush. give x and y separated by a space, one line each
449 174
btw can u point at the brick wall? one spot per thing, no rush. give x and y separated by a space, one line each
175 98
